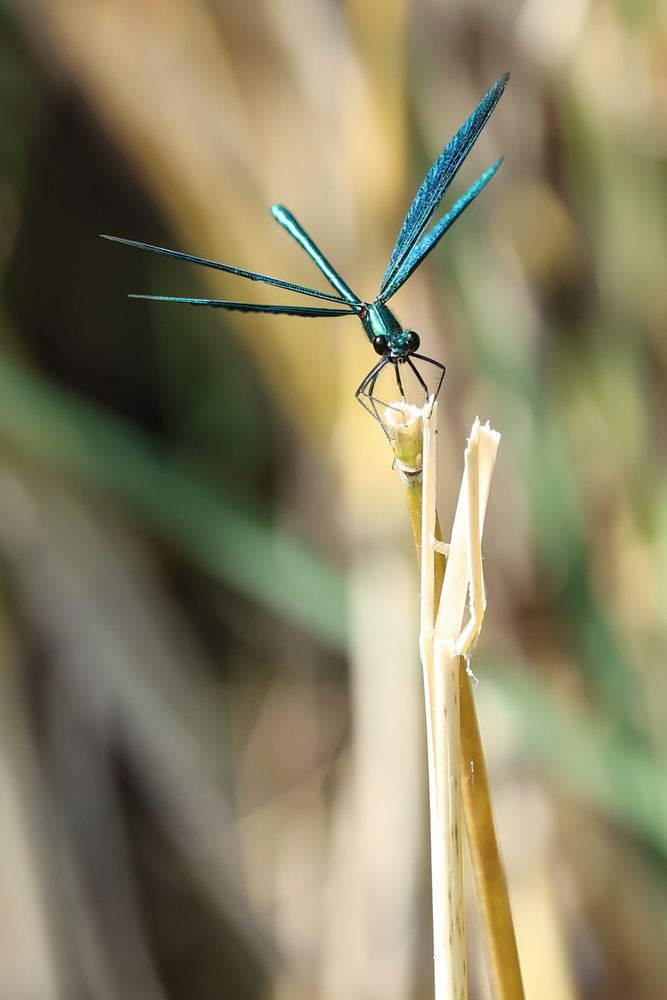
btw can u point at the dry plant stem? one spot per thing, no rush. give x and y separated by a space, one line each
463 575
406 432
405 428
442 729
444 760
447 750
490 884
491 887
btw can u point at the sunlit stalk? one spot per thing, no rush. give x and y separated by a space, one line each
441 698
447 686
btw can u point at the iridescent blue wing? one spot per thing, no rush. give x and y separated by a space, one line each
251 307
239 271
438 179
434 235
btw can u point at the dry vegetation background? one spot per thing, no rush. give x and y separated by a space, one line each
211 764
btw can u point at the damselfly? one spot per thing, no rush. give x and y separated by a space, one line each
395 345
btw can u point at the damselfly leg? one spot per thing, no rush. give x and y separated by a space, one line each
365 391
418 377
436 364
398 381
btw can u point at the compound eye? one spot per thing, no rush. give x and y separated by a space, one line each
381 345
412 342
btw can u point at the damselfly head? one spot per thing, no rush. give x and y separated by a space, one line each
385 332
403 344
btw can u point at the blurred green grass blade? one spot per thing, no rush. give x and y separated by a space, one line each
602 765
561 541
264 564
546 463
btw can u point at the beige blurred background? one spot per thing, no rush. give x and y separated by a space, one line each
211 745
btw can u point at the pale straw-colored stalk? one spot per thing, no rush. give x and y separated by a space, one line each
455 757
405 424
